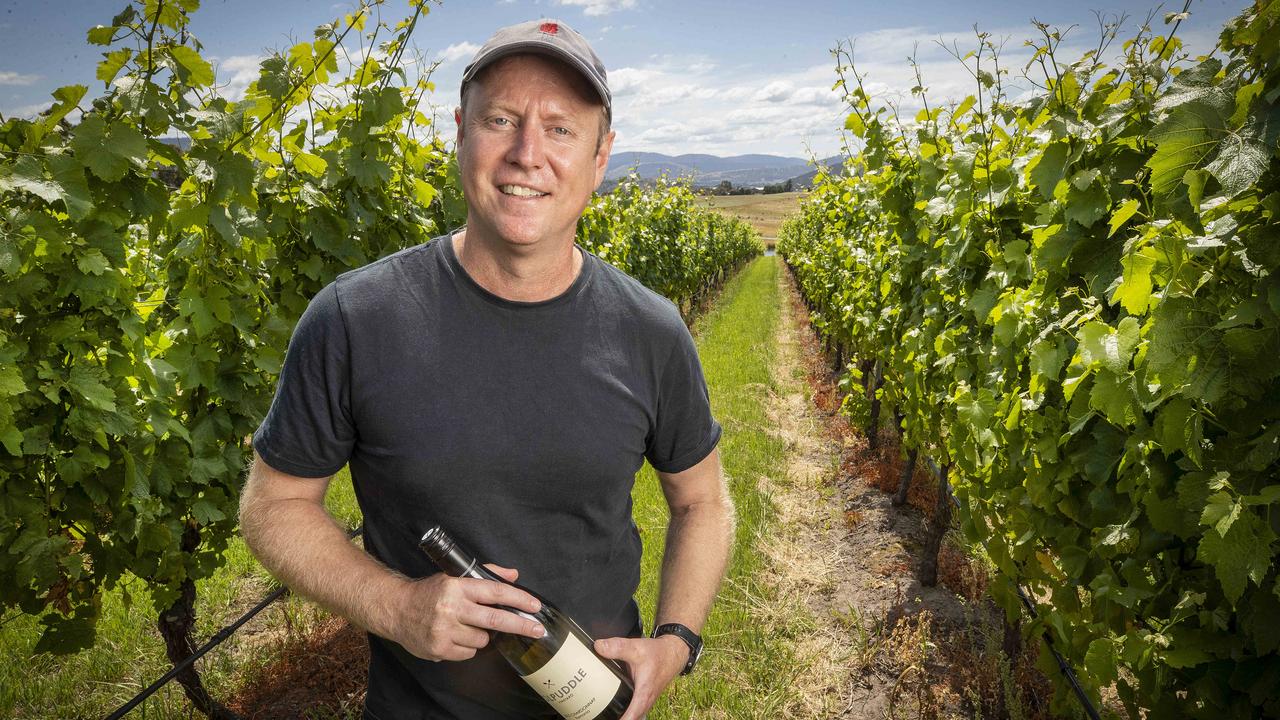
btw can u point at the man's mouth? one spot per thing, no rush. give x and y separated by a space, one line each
520 191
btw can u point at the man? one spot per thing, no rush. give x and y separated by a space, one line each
506 384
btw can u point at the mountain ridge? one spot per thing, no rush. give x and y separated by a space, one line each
750 170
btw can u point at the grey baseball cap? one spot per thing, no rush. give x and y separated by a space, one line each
545 37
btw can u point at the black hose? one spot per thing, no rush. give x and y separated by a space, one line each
217 639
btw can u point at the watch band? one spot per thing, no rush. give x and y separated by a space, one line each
690 638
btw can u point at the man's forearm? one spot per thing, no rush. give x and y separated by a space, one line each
304 548
699 542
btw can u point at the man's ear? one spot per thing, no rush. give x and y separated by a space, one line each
602 156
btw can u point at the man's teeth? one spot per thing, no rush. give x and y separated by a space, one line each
520 191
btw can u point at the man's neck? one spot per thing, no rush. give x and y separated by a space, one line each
533 276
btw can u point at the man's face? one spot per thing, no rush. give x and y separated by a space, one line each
529 150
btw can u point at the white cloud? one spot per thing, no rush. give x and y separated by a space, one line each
234 74
457 51
599 7
8 77
26 112
689 104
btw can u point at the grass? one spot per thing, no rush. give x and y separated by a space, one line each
748 664
764 212
745 672
129 654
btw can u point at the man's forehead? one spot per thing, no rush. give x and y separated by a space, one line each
530 67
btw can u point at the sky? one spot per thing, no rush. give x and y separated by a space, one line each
688 76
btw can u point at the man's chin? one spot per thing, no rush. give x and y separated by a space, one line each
525 237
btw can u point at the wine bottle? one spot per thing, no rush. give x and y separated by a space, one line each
562 665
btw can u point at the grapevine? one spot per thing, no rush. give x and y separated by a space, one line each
1075 307
148 292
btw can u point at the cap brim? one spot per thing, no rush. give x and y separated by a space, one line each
541 48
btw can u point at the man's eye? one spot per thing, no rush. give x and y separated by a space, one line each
500 121
562 131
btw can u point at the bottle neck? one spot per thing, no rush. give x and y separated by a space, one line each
451 558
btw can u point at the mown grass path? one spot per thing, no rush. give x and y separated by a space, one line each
740 675
752 662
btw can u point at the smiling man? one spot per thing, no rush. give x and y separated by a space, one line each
505 383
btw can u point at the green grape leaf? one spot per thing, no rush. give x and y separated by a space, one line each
368 170
27 175
1197 84
1047 169
101 35
385 105
1134 291
1109 347
93 262
1243 554
313 165
1221 512
1122 214
74 187
11 381
220 221
108 150
110 67
64 634
855 125
1100 661
1185 656
1178 427
88 383
1198 135
205 512
1087 206
1114 396
193 69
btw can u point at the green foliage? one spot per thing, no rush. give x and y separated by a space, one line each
147 294
143 324
1076 301
662 237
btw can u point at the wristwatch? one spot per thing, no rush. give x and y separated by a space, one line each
689 637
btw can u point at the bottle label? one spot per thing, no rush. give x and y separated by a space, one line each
574 681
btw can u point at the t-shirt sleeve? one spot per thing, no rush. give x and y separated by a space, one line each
308 431
685 432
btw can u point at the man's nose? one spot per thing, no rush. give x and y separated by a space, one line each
527 150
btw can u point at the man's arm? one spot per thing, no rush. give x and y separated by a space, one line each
699 541
285 524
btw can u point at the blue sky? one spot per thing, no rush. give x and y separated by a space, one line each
688 76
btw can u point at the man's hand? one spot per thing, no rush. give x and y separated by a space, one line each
653 662
449 618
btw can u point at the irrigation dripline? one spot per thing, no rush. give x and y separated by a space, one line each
214 641
1063 666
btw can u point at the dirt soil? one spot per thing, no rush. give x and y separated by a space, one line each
894 649
319 674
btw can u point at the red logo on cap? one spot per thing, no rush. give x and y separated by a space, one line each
550 28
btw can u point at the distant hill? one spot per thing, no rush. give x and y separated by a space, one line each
707 170
834 164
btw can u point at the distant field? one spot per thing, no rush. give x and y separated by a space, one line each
764 212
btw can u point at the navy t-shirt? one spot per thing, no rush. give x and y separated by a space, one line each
519 427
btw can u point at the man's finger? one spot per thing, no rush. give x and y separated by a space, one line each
471 637
508 574
488 592
616 649
489 617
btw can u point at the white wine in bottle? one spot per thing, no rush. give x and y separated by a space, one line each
561 666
